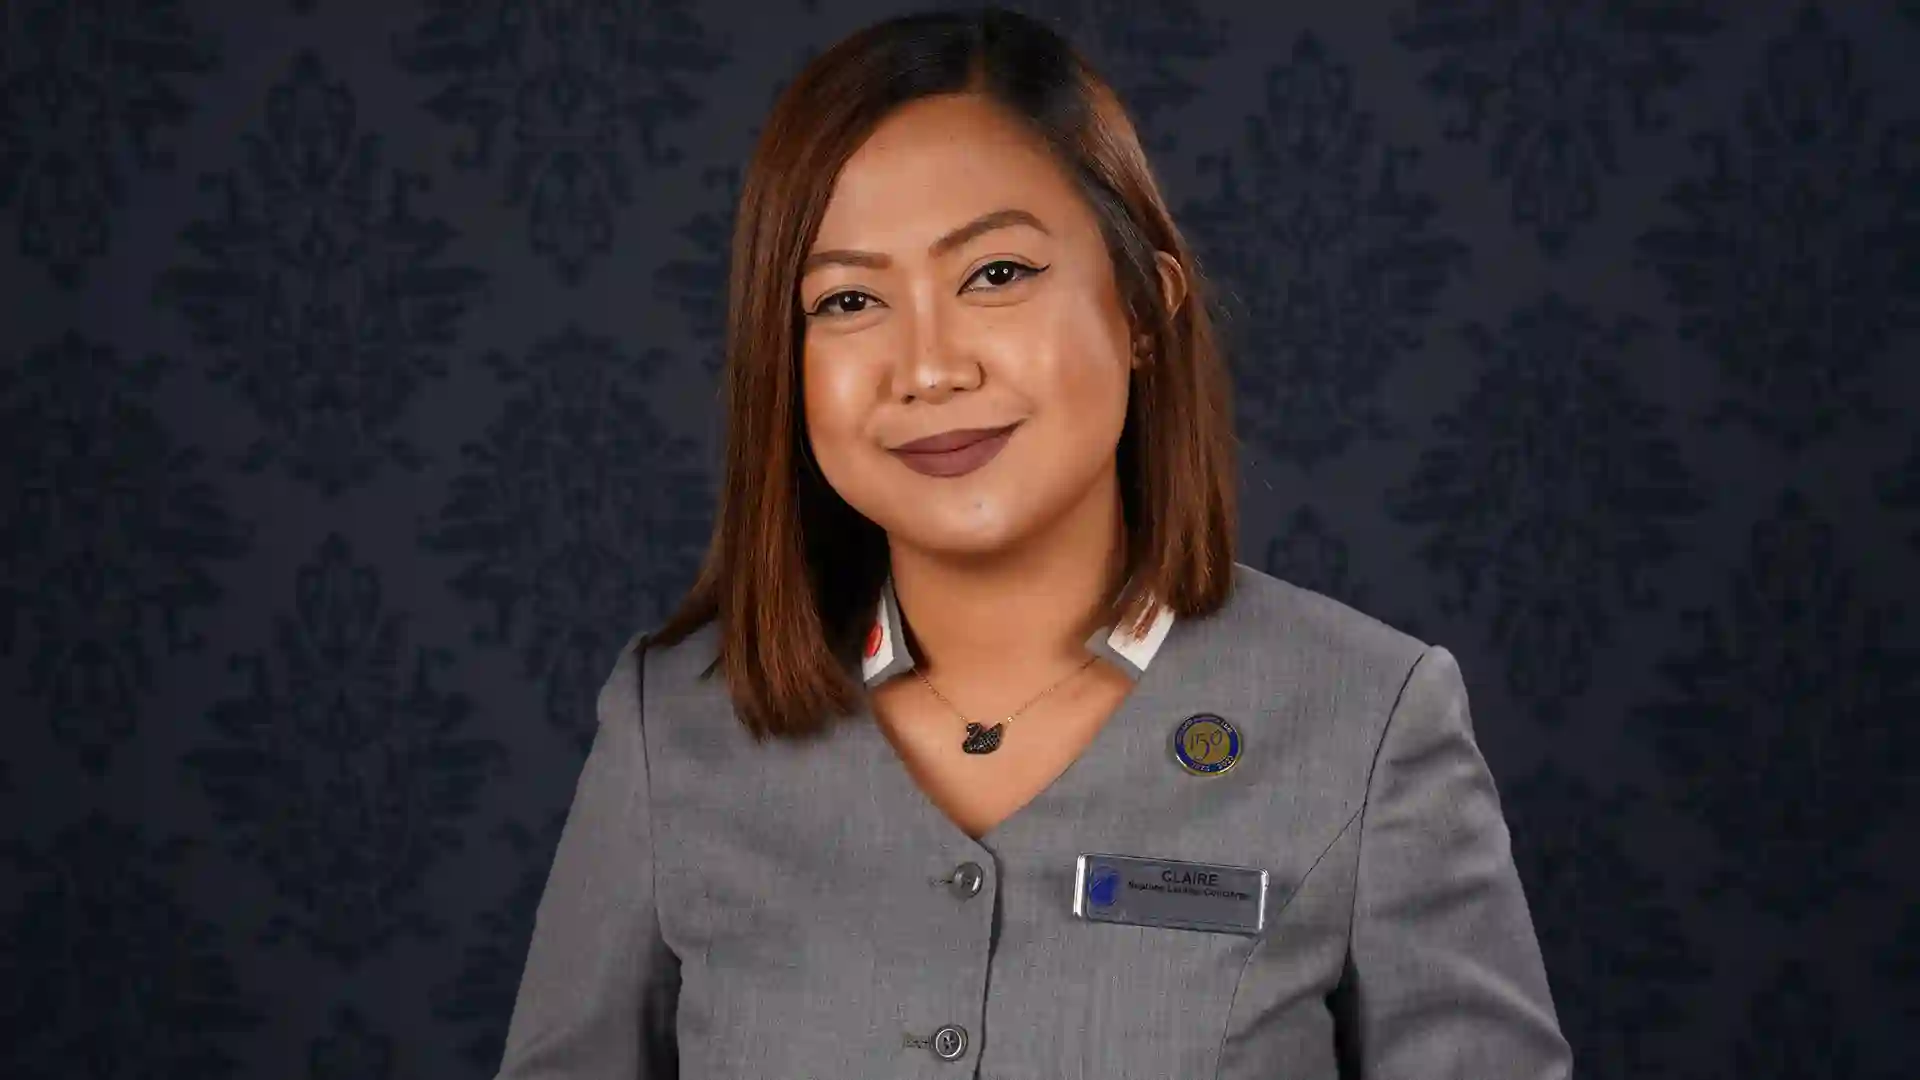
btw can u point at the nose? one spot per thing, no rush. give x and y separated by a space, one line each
935 364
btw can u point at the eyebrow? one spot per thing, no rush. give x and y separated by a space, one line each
985 223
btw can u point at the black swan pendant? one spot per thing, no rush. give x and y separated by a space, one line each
982 740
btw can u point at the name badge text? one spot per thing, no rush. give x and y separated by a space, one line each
1169 893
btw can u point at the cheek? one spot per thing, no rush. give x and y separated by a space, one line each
838 396
1095 412
835 397
1085 375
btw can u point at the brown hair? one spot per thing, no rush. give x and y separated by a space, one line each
793 573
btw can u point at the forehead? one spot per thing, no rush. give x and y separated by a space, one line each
939 161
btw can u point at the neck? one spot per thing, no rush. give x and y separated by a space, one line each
1023 614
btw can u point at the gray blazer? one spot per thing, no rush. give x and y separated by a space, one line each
719 908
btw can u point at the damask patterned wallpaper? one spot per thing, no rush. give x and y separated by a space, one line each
358 401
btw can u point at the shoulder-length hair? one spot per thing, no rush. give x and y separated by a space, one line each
793 574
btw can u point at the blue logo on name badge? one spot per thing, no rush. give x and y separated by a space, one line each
1102 886
1205 744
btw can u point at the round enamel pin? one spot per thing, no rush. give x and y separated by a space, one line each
1206 745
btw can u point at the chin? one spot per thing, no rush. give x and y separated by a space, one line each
960 548
979 530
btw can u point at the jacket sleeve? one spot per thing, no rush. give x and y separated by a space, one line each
1444 979
598 996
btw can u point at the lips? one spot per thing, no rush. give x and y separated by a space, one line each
954 453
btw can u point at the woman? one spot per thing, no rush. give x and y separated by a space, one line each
973 752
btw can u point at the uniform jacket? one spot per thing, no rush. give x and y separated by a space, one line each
720 908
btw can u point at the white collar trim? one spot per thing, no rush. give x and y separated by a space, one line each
886 655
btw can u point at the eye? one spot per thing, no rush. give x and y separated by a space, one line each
1003 272
844 302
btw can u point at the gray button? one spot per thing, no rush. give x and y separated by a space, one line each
967 878
950 1042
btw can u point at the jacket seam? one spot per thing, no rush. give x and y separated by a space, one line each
1366 799
639 648
646 773
1226 1026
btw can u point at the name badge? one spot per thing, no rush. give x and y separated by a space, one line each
1174 895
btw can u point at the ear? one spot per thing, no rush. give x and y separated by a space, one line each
1173 281
1173 292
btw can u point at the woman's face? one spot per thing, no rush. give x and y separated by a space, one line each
960 288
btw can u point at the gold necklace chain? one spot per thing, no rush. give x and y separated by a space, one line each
1015 713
